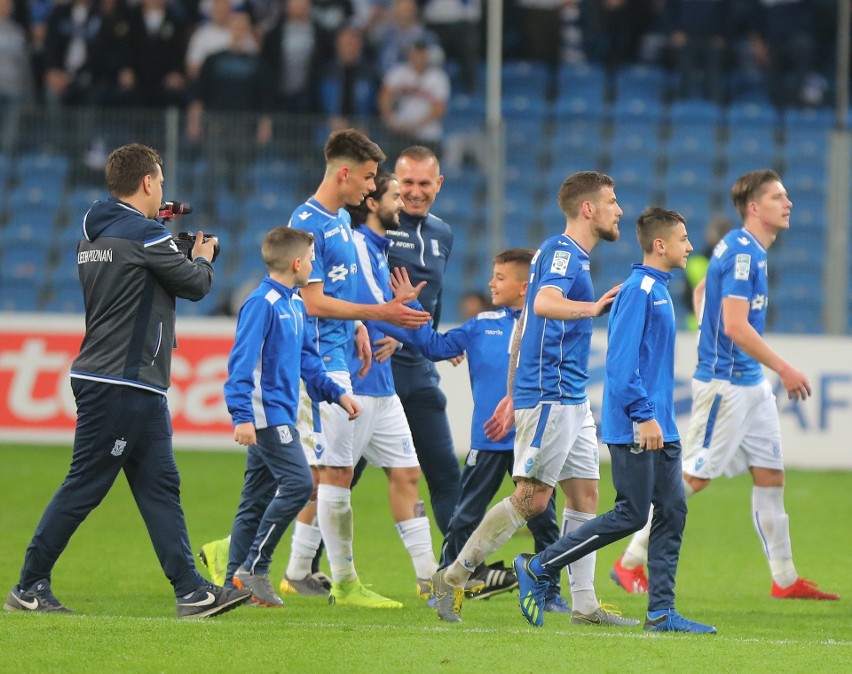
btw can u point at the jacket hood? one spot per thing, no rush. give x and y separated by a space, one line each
104 214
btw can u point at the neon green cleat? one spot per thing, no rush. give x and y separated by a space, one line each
353 593
424 588
214 557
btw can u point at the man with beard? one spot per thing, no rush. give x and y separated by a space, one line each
556 439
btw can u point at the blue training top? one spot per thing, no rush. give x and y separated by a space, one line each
336 267
639 380
486 338
373 288
272 349
737 269
553 365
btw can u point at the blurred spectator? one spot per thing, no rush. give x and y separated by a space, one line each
783 42
394 37
472 303
230 81
413 101
699 43
156 47
349 81
213 36
457 23
613 29
542 21
71 32
16 81
332 15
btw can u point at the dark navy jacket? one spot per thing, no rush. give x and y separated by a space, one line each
422 246
131 271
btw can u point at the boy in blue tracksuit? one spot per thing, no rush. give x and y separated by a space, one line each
272 350
638 425
486 339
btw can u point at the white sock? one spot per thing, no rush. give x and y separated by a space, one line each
417 538
496 528
581 573
334 514
636 553
773 527
303 549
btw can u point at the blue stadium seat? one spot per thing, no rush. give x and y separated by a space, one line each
40 170
695 111
529 76
523 133
633 198
640 81
24 260
636 138
693 203
808 144
752 114
693 139
80 199
756 142
631 170
809 118
46 197
805 176
21 295
66 298
633 108
690 172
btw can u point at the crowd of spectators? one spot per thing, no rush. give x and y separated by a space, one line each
389 58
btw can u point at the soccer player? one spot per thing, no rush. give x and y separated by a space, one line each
639 426
382 435
422 246
272 350
351 166
485 338
131 271
556 440
735 426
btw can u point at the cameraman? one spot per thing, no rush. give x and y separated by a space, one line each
131 271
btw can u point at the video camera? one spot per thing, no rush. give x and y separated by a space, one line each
185 241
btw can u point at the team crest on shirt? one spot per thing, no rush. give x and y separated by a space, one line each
436 248
742 266
559 265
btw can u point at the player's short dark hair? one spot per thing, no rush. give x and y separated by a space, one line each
652 224
580 187
519 256
127 165
749 187
282 245
353 145
418 153
360 212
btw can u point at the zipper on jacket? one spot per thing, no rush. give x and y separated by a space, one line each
159 341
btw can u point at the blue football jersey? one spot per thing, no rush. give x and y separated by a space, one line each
737 269
335 264
553 365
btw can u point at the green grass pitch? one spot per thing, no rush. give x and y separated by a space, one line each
125 622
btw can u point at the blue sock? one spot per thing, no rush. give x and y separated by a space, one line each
536 567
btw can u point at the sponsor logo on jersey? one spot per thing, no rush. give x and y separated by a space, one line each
528 465
493 332
408 245
318 450
720 248
304 215
659 302
742 266
743 240
332 232
338 272
559 265
758 303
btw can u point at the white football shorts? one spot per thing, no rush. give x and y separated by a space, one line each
732 429
327 434
382 435
555 442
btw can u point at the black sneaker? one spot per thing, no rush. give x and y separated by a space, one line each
37 598
496 579
210 600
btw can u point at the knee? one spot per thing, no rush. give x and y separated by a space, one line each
531 498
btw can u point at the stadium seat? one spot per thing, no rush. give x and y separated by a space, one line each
752 114
529 76
634 108
17 294
631 170
80 199
807 144
693 139
695 111
809 118
689 172
805 176
45 197
40 170
754 142
640 81
636 138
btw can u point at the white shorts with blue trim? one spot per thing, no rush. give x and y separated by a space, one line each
733 428
555 442
327 434
382 435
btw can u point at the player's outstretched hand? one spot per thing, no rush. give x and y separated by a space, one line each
501 422
397 313
795 382
384 348
351 407
363 350
457 360
401 285
245 434
650 435
606 300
